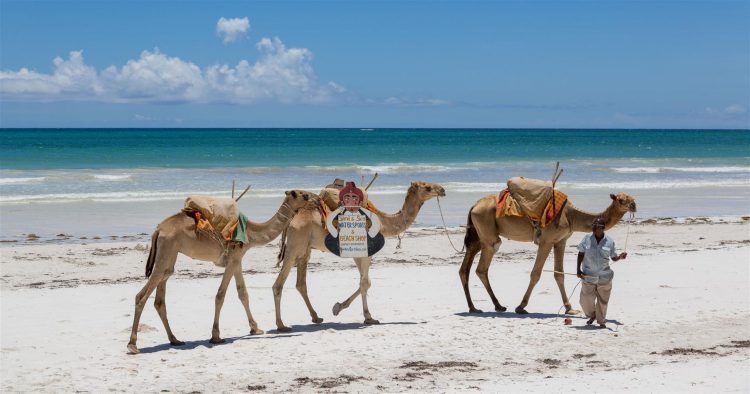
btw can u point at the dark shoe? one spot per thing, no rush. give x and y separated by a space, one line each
602 325
589 321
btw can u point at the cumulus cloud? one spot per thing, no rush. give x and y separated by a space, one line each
280 74
232 29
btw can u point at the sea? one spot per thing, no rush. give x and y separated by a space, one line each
109 183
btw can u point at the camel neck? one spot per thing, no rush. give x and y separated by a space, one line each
581 220
263 233
397 223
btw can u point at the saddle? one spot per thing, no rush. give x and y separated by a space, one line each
216 215
533 198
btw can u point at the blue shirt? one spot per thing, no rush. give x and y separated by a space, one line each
596 257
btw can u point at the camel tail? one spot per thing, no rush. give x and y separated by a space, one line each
152 254
471 238
282 248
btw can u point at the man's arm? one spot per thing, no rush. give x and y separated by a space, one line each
580 260
622 255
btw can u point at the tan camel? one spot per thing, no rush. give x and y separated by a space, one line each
306 232
176 234
483 232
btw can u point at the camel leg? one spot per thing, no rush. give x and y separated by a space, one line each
541 256
339 306
140 302
302 287
485 259
363 264
228 273
463 272
560 278
239 280
278 287
161 308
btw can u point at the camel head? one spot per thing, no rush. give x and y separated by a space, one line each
426 190
297 199
623 202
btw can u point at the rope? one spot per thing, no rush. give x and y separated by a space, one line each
627 234
440 208
570 296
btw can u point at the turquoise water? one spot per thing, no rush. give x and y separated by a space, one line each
203 148
61 177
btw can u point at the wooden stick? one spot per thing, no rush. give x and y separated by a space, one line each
243 193
232 188
373 180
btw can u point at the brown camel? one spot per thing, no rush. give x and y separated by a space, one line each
176 234
483 232
306 232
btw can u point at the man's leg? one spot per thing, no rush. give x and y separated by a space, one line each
602 301
588 296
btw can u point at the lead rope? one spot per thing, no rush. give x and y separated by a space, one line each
627 234
440 208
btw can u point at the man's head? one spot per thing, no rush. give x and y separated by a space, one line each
597 226
351 196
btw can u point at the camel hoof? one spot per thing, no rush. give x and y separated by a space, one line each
132 349
500 308
336 308
475 310
217 341
317 320
572 312
284 329
371 321
256 331
521 311
176 342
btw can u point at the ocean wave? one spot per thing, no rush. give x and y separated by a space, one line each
386 168
656 185
108 177
656 170
21 181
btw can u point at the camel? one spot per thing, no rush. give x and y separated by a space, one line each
176 234
306 232
483 231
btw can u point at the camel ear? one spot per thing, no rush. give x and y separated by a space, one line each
286 192
294 194
306 197
613 197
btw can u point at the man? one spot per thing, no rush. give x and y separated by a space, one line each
594 252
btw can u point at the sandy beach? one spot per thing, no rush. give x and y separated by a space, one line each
679 320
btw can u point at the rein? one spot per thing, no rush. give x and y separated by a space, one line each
445 228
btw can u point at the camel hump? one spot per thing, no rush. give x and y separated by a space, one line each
532 195
331 197
221 212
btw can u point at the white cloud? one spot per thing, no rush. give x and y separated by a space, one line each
280 74
71 78
232 29
730 111
420 102
734 109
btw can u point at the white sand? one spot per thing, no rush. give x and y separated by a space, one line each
67 311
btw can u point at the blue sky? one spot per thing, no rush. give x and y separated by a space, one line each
606 64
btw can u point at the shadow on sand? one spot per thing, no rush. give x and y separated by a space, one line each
338 326
513 315
190 345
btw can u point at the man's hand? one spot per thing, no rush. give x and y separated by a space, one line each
579 274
